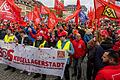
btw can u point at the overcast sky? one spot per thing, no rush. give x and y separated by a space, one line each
50 3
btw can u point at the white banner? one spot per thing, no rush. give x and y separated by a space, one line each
48 61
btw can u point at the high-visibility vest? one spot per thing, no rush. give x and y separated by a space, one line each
41 45
10 38
66 46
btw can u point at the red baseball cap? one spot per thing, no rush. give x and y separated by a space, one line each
63 33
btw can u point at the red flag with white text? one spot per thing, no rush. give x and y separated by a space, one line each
30 16
36 15
10 11
52 20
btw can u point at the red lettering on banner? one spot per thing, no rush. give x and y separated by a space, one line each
58 64
7 54
39 62
22 60
1 54
36 61
46 63
32 61
50 63
62 64
15 58
42 63
54 65
25 61
10 54
28 60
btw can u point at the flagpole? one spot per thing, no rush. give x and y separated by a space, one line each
95 9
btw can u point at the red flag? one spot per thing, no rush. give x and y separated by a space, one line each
22 22
36 15
15 9
10 11
30 16
106 9
58 5
78 4
91 16
77 8
12 4
72 16
44 10
52 20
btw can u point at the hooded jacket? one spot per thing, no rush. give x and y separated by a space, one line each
109 73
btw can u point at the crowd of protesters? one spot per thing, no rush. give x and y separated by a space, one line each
101 46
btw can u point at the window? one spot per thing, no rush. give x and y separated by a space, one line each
28 8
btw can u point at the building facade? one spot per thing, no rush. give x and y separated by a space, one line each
73 8
26 5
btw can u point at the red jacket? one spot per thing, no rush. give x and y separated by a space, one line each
109 73
79 48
